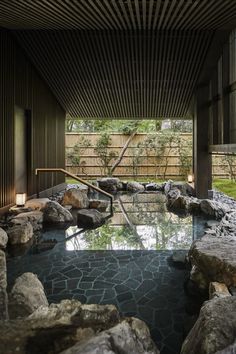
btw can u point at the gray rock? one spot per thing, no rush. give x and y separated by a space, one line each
34 217
194 204
180 256
76 197
37 203
215 328
57 327
135 187
100 205
68 311
229 350
90 218
212 223
3 238
213 208
3 287
110 184
128 337
167 186
19 234
154 187
214 257
184 188
199 278
26 296
55 213
218 290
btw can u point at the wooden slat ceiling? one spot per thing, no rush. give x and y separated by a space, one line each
116 14
119 74
118 58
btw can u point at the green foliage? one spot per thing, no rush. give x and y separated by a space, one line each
185 157
105 156
126 126
230 162
74 156
226 186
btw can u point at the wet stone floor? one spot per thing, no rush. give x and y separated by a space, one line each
126 262
143 284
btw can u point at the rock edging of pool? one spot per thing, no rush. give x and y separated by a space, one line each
70 327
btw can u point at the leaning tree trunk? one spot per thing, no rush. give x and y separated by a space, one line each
125 147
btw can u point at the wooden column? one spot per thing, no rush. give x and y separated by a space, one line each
225 98
202 158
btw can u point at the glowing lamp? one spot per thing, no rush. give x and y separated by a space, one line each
190 178
20 199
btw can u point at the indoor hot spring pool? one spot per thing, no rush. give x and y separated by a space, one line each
126 262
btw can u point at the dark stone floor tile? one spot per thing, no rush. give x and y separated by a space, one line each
132 283
72 283
128 306
78 291
109 273
146 286
96 299
163 318
92 292
109 294
143 300
74 273
85 285
124 297
80 297
102 285
121 288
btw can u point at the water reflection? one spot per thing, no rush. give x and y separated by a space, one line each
140 222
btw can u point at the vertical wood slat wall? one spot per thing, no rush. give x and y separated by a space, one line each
20 85
222 100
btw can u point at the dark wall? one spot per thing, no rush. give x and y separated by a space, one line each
20 85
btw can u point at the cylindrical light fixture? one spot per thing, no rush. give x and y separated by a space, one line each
20 199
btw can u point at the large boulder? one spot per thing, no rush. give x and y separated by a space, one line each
75 328
218 290
19 234
26 296
37 203
231 349
184 188
90 218
135 187
215 328
68 312
214 208
214 258
34 217
76 198
3 238
154 187
3 287
55 213
129 336
110 184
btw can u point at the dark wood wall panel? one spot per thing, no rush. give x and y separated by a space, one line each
21 85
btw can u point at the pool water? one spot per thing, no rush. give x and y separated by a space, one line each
126 262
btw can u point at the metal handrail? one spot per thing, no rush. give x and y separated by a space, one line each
37 170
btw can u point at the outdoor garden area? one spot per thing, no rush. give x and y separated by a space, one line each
143 150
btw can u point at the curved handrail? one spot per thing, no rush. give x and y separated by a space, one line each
37 170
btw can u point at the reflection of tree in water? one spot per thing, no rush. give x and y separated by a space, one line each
106 237
170 234
145 229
